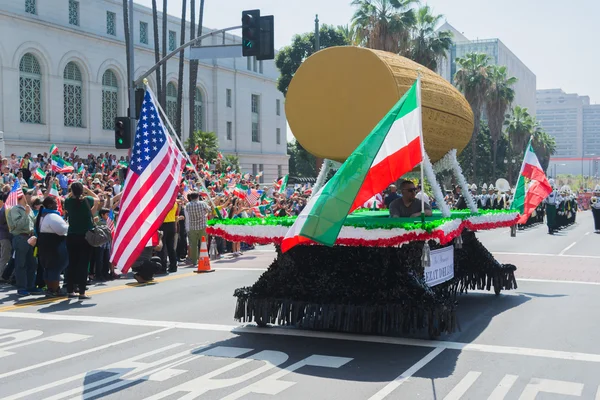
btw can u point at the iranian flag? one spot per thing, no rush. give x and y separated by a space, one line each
393 148
53 149
281 184
532 187
55 193
38 174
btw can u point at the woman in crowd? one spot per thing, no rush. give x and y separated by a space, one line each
51 244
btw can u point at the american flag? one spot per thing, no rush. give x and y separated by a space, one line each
14 194
150 189
253 196
110 222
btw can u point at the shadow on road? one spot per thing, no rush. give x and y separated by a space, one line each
64 305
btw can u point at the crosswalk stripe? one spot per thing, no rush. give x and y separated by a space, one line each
503 387
463 386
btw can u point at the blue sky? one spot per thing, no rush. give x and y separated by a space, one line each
556 40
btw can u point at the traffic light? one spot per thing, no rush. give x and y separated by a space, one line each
122 133
266 48
250 33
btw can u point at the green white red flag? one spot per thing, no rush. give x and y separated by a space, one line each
392 149
38 174
281 184
53 149
55 193
532 186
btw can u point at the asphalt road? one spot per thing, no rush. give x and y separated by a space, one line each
176 339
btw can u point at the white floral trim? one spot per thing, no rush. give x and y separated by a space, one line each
437 191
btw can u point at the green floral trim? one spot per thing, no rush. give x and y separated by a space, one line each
381 221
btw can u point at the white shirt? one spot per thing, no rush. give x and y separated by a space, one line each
426 198
53 223
117 189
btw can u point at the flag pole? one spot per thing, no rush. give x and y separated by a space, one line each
422 148
178 140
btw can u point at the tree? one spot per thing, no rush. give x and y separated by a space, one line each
484 154
500 95
519 127
544 146
207 142
289 58
349 33
384 24
302 163
156 48
472 80
428 46
179 110
231 161
194 63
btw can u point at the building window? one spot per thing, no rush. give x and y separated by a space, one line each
249 63
144 32
278 107
198 120
228 98
254 169
73 12
229 130
110 104
262 177
172 40
171 102
30 89
278 135
73 96
111 23
255 118
260 66
279 171
30 7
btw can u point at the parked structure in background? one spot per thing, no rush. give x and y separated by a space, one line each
499 55
67 87
575 125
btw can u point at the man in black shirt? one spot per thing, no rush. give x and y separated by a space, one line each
407 205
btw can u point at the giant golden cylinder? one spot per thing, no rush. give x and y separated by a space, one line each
339 94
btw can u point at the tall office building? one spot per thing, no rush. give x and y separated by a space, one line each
499 55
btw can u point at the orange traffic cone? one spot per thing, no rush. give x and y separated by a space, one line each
204 259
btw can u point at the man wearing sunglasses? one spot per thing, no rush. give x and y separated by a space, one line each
408 205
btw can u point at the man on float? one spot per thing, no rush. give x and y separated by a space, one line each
408 205
595 206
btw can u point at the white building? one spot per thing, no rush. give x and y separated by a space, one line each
575 125
499 55
63 80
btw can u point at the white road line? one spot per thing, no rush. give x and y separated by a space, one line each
557 281
567 248
239 269
503 387
587 233
393 385
276 331
81 353
457 392
543 255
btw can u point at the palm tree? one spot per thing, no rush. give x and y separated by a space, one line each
520 126
194 64
499 96
207 142
384 24
178 115
428 46
349 33
544 146
472 80
156 47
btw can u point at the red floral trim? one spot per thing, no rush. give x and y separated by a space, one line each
437 235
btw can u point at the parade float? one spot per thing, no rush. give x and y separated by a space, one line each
384 275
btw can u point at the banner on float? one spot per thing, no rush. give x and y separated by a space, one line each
442 266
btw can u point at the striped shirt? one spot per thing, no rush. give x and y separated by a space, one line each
195 214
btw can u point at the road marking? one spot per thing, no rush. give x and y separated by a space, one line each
393 385
544 255
276 331
457 392
93 292
587 233
557 281
81 353
567 248
536 386
240 269
503 387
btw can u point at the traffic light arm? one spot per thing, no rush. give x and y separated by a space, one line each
177 50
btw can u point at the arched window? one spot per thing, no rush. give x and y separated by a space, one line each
110 104
171 103
198 112
73 96
30 89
